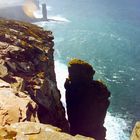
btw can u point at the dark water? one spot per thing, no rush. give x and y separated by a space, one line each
105 33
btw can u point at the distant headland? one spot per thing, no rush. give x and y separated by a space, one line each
17 12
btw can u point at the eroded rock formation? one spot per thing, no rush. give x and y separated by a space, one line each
28 90
87 101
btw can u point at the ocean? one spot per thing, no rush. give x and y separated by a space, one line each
105 33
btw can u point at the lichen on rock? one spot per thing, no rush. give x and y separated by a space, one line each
80 70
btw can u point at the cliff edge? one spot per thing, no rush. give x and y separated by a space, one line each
28 89
35 131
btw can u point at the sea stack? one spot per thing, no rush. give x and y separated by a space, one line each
87 101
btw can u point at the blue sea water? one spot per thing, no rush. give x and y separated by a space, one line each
105 33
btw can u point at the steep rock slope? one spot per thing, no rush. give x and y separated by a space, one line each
28 89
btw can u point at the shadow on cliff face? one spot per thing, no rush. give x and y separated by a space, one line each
27 68
87 101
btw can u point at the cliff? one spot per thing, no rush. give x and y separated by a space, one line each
136 132
28 89
30 106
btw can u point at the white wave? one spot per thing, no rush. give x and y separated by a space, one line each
115 76
41 23
116 128
121 71
59 18
61 75
132 79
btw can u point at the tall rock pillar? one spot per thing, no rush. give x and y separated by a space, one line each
87 101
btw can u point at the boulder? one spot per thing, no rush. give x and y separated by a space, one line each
35 131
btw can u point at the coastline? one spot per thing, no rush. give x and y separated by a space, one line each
17 13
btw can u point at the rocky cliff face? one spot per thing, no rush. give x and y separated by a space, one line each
136 132
28 90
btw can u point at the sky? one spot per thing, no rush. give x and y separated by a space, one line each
10 2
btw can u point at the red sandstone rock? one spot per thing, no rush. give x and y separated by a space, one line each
27 72
15 106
